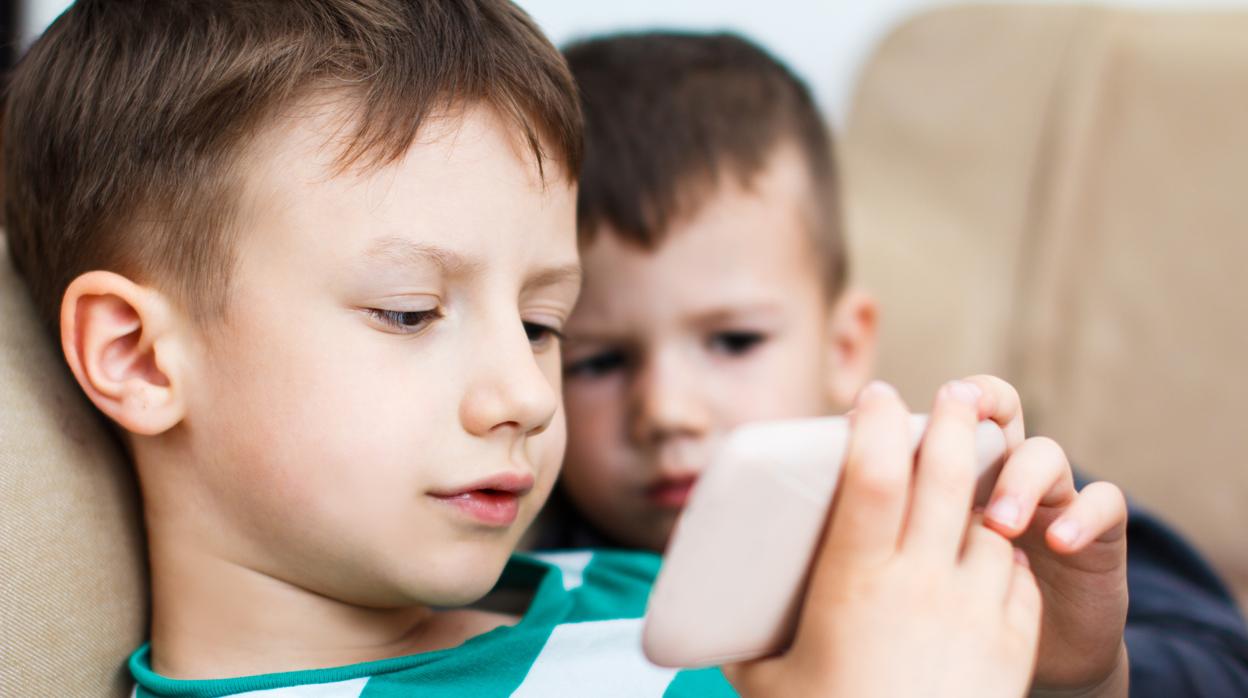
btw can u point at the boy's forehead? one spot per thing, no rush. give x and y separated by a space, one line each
301 154
745 251
465 172
315 140
733 211
765 220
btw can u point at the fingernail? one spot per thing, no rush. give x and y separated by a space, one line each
1021 558
1005 511
964 392
1065 531
875 390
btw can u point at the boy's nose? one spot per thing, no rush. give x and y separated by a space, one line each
665 404
509 389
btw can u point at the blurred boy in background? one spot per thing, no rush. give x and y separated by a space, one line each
716 293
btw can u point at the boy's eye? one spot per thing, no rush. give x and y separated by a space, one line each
404 321
540 335
735 343
596 365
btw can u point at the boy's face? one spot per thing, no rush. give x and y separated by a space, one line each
377 418
726 322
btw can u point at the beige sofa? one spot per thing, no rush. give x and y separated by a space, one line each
72 575
1059 195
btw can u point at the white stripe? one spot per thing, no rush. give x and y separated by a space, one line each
338 689
597 658
571 564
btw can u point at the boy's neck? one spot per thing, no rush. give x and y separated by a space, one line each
213 618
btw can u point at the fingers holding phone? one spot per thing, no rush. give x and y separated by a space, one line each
907 596
869 510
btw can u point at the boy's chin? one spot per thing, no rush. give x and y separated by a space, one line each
458 579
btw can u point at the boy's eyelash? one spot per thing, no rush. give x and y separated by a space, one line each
596 365
543 332
737 342
405 321
412 321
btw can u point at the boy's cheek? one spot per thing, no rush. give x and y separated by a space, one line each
545 453
787 382
599 465
608 484
283 449
596 415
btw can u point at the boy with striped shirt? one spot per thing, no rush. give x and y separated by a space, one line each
313 259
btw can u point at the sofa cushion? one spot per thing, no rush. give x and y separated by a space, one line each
72 574
1056 194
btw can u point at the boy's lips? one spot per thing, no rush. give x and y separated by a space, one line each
671 493
493 501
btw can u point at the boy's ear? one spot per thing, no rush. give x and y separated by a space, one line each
851 346
120 343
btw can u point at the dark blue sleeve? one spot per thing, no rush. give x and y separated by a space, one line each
1185 636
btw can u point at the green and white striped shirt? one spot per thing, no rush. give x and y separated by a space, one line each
581 636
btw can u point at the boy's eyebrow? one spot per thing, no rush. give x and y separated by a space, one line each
563 274
711 316
403 252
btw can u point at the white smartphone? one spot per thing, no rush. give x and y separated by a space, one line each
735 570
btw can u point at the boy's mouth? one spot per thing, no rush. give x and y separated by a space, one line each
671 493
494 501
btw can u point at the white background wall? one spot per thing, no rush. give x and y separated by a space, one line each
824 40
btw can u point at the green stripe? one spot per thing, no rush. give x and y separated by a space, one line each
485 669
616 585
694 683
500 646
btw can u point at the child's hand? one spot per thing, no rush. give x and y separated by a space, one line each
904 598
1076 543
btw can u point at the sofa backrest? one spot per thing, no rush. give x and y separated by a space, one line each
1059 195
73 588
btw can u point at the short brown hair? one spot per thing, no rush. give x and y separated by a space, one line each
667 114
125 120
